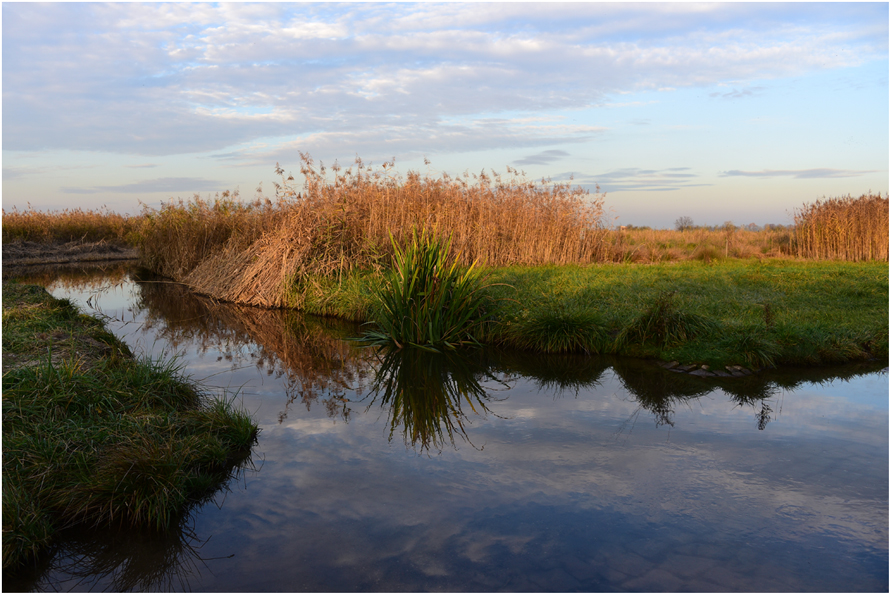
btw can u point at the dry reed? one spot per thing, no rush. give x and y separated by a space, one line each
249 253
846 228
68 225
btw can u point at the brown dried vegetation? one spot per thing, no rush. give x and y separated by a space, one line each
250 253
846 228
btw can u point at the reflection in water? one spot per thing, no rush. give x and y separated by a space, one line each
317 365
427 394
553 374
123 560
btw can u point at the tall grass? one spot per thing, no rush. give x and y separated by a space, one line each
650 246
68 225
846 228
179 236
328 227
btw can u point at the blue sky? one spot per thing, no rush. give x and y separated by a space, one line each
720 112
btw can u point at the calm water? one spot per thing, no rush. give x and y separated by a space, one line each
495 471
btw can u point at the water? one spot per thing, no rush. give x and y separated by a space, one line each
496 471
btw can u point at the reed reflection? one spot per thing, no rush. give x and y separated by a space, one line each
431 397
308 353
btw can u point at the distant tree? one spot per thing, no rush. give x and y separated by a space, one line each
684 223
752 227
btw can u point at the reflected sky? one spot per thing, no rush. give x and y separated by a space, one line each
577 474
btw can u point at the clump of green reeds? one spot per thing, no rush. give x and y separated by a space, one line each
342 222
68 225
846 228
664 324
429 300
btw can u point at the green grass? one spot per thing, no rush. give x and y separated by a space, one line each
92 435
752 313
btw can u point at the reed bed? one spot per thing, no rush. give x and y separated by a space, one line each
68 225
181 235
649 246
846 228
251 253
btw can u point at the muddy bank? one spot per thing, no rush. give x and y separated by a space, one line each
30 253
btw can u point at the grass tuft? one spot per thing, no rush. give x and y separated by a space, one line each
559 327
664 324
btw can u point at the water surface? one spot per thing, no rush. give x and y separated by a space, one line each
495 471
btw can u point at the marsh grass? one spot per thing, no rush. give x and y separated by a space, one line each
429 300
98 439
777 312
559 327
635 245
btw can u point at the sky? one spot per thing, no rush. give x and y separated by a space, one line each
720 112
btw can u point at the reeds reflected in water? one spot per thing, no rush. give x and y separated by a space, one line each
432 397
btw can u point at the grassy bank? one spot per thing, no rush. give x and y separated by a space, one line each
92 435
751 313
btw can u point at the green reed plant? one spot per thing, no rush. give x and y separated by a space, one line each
429 300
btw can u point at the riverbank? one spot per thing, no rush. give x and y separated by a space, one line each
93 435
753 313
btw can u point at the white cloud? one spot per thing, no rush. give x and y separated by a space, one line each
177 78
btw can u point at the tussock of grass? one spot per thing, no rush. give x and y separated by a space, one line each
558 327
98 439
664 324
